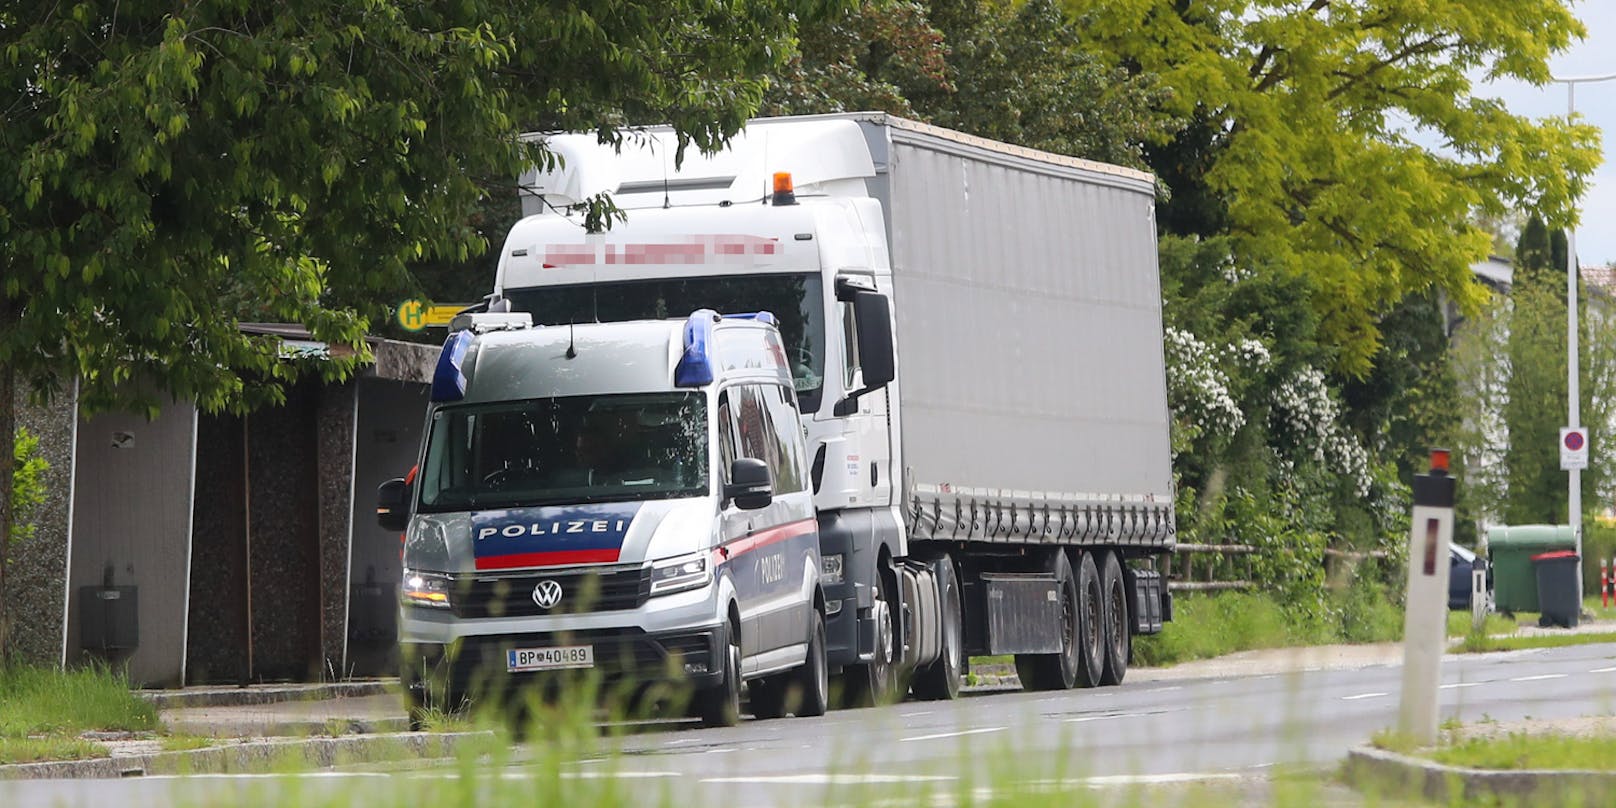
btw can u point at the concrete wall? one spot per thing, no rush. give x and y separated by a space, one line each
391 414
36 583
132 517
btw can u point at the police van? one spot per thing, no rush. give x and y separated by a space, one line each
631 500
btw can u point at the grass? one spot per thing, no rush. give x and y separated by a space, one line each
43 711
1459 624
48 747
1530 751
185 743
1481 643
1206 626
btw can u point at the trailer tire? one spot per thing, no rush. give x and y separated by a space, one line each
1118 633
1090 623
1058 671
720 705
940 681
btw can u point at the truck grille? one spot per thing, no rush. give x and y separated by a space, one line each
583 590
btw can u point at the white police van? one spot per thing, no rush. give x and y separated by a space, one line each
631 499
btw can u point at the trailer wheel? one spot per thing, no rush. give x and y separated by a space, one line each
1090 624
941 679
1057 671
1118 633
720 704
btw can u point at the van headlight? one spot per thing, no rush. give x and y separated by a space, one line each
425 589
680 573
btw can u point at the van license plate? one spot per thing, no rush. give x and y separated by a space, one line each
546 659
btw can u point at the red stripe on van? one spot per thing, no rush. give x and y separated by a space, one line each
547 559
767 537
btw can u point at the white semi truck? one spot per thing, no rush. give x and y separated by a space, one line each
975 337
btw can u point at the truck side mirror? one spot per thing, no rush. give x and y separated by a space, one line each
874 313
749 484
393 505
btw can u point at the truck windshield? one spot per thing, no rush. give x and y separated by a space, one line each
569 450
794 299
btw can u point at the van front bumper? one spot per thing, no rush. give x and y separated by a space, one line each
625 659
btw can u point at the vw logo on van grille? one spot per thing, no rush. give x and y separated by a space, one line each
547 594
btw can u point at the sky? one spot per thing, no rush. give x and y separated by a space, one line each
1596 102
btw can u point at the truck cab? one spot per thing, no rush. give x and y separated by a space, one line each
629 500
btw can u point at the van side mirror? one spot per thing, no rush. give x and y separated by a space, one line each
874 314
749 484
393 505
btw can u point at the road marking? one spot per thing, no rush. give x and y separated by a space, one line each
1087 718
1603 670
916 713
1539 678
1456 685
954 734
1152 779
832 779
1166 689
1364 696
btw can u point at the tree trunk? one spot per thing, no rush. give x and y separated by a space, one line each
8 463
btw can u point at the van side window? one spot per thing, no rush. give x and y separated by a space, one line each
755 437
726 436
788 436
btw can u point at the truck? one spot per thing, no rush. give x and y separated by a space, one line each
974 334
627 501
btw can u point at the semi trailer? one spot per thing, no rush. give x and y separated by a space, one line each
974 336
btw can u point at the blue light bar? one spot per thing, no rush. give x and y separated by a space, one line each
760 316
449 381
695 368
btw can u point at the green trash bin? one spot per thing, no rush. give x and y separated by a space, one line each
1511 549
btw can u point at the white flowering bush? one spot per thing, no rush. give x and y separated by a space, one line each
1203 382
1306 418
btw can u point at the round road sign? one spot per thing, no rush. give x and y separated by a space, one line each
1573 440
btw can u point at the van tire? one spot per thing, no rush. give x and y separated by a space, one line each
812 680
720 705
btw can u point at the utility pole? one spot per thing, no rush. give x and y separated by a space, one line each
1573 393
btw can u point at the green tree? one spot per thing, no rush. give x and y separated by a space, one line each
172 169
1012 71
1302 145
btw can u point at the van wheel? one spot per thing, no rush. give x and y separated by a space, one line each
812 680
720 704
1118 630
1058 671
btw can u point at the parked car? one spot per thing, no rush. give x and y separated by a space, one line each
1461 561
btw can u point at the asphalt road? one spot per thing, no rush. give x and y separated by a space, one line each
1206 730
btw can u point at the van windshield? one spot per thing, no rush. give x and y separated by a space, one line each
795 301
569 450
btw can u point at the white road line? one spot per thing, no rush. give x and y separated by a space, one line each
1539 678
1364 696
1087 718
953 734
1153 779
832 779
916 713
1457 685
1166 689
1603 670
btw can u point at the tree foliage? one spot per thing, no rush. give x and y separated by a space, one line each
1016 72
1310 132
172 169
